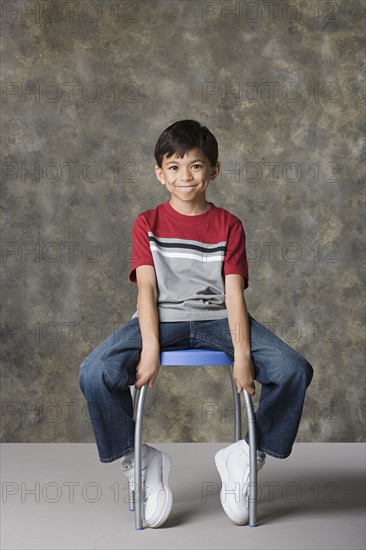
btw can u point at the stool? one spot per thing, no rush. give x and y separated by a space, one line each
195 357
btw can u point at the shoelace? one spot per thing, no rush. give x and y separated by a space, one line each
246 484
126 466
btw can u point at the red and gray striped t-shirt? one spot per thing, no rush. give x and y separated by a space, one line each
191 256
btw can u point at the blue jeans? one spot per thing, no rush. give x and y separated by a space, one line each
109 370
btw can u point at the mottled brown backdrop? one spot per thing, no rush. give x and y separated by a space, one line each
87 87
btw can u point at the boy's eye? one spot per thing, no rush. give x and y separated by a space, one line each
195 166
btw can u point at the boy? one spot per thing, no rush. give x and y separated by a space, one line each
189 262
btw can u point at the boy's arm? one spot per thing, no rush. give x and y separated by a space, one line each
148 366
240 333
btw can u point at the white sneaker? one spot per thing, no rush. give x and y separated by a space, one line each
232 464
156 494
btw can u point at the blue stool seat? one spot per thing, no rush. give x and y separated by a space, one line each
196 357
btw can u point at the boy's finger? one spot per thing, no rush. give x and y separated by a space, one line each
152 380
140 382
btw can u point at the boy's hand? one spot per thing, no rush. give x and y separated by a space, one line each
244 374
147 368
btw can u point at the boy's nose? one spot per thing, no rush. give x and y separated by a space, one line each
186 175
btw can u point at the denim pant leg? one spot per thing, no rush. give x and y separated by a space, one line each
105 377
284 376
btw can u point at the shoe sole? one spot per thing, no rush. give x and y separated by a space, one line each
220 462
166 466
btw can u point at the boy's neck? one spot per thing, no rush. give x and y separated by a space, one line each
189 209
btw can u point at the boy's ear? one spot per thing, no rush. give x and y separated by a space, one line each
215 170
159 174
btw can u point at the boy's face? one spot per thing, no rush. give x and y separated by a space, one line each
187 178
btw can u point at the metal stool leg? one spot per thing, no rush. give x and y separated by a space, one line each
134 395
138 456
131 490
237 405
252 460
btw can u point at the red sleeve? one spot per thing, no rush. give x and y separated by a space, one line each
141 253
235 261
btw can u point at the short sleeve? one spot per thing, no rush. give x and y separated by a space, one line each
141 253
235 260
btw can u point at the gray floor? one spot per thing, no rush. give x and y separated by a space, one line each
59 496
